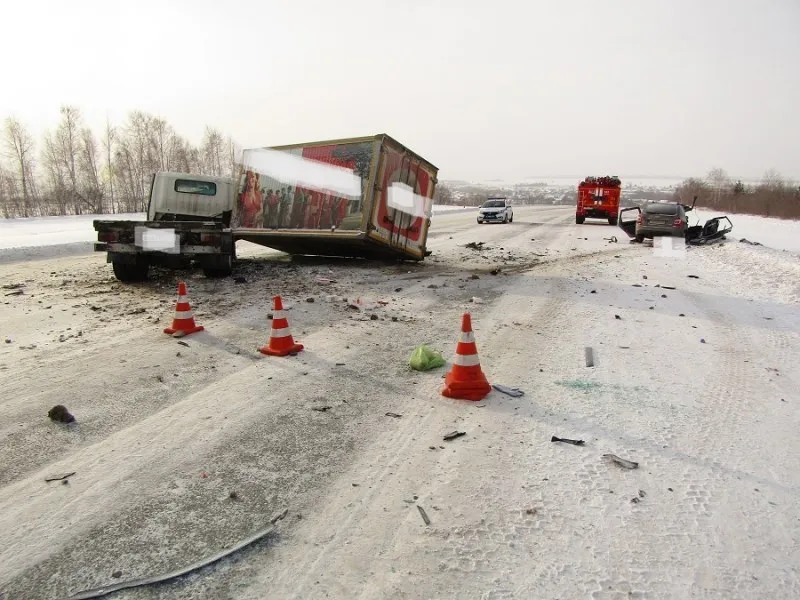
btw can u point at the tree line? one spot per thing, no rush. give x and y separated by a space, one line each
774 196
72 172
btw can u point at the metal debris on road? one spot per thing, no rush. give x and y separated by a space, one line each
109 589
423 514
567 441
509 391
393 415
589 356
321 408
453 435
183 343
625 464
60 477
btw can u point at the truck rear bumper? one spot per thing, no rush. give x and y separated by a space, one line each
597 213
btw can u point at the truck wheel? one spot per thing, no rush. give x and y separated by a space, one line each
130 272
220 269
639 238
612 221
579 220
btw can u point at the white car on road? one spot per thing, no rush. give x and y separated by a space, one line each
496 210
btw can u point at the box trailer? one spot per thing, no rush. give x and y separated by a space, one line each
367 197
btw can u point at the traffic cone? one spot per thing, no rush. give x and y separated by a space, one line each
466 380
281 341
183 323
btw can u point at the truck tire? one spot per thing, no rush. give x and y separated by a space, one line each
130 272
220 269
612 221
579 220
639 239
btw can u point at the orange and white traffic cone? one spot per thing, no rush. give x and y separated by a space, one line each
281 342
183 323
466 380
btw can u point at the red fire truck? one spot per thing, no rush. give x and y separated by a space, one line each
598 198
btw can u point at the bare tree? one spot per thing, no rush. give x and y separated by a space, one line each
20 148
443 194
212 151
109 140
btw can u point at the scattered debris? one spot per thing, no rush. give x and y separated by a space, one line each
60 414
373 317
509 391
635 500
746 241
239 280
16 293
325 281
702 340
116 574
625 464
108 589
475 245
453 435
530 511
423 514
474 276
644 276
183 343
433 286
496 271
694 276
321 408
60 477
681 315
618 317
310 300
593 292
642 494
567 441
13 286
476 300
393 415
668 287
589 353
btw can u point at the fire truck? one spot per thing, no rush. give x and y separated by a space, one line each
598 198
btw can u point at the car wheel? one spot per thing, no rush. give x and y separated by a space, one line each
511 220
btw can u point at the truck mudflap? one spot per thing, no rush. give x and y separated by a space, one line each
712 231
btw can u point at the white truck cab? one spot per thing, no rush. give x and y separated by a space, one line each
496 210
190 197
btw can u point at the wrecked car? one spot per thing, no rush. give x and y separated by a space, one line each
656 219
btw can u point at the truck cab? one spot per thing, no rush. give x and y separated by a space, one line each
598 198
186 197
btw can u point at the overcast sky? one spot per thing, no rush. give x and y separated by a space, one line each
483 89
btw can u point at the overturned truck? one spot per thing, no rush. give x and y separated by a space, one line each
365 197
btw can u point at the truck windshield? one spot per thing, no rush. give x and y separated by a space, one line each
494 204
189 186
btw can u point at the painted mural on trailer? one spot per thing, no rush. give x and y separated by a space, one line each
264 202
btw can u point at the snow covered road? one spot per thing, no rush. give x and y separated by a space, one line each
697 381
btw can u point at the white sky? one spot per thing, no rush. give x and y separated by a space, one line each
483 89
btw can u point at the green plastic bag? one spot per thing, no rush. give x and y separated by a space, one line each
425 359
